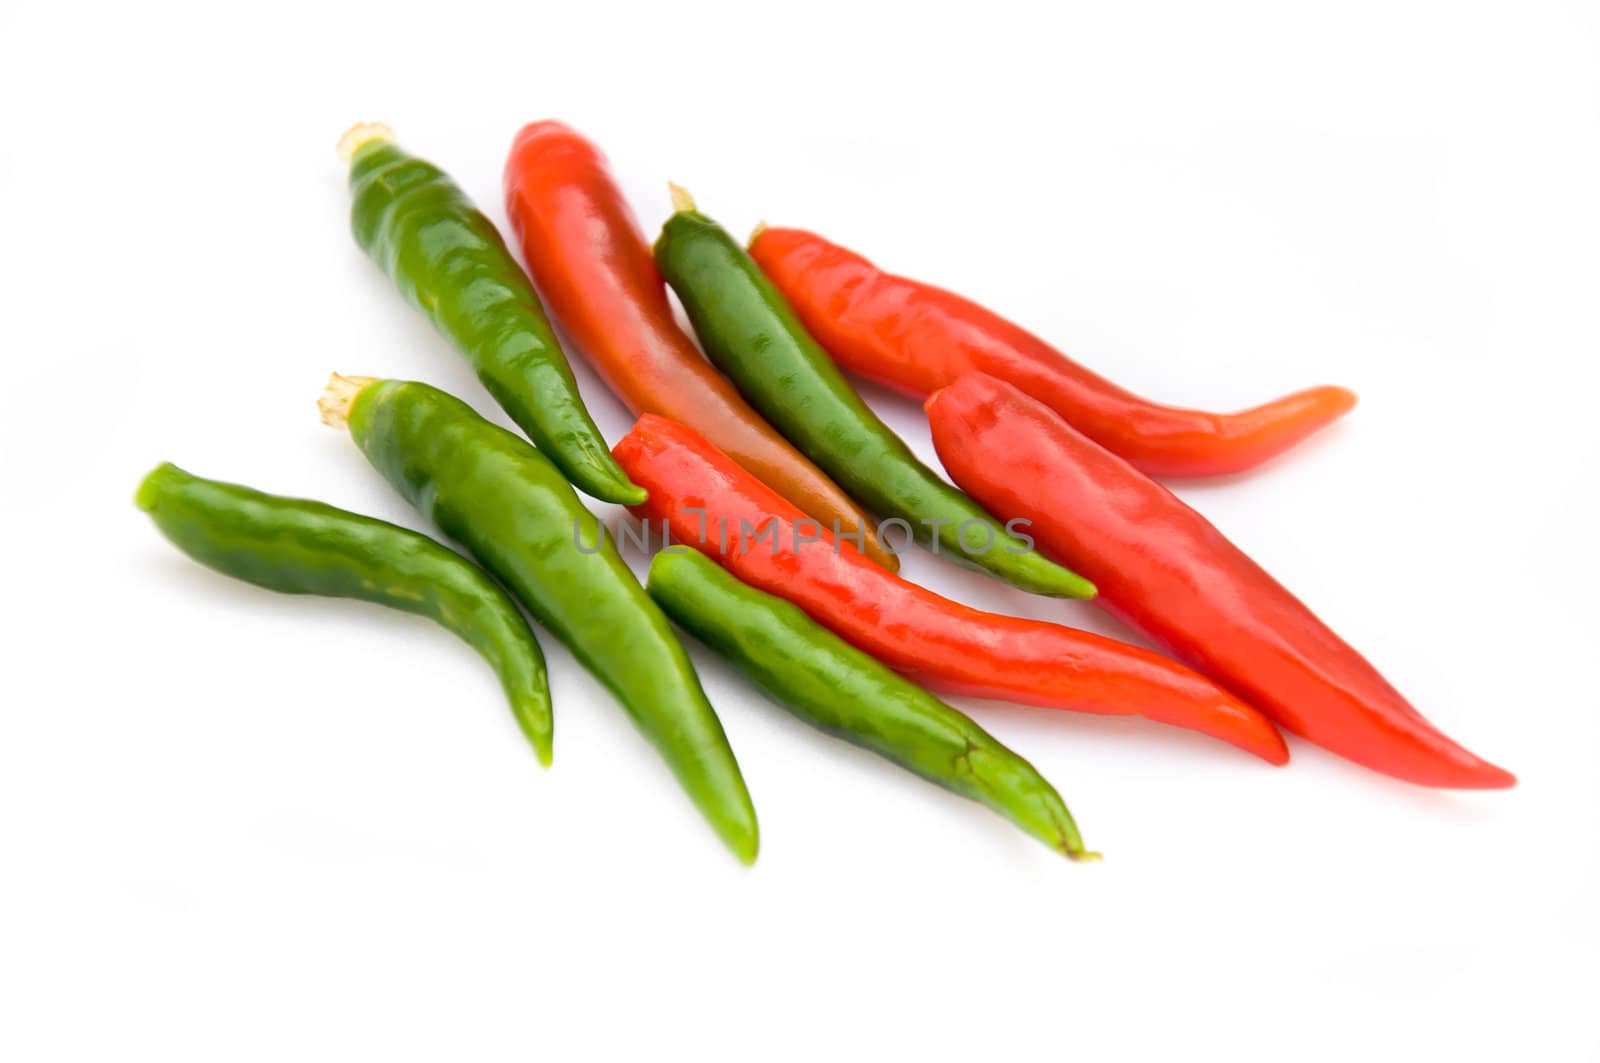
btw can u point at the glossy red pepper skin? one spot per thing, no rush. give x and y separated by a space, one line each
712 504
1169 573
598 278
917 338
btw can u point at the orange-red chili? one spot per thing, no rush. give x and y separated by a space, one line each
712 504
1167 571
597 276
917 338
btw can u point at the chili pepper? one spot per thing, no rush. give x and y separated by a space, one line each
917 338
298 546
448 260
1164 569
709 502
510 507
591 263
838 689
753 336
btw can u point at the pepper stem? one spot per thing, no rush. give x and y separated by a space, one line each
338 396
682 201
755 234
359 134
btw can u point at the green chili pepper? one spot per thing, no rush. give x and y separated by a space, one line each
751 334
511 508
838 689
303 547
448 260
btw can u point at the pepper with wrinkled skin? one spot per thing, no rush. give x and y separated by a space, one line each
448 260
297 546
592 265
1169 573
916 338
712 504
836 688
512 509
753 336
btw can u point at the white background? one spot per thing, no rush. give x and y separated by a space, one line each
241 826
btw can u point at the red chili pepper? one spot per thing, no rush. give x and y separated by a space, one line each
597 276
712 504
1164 569
917 338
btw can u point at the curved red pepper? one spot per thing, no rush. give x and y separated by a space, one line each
917 338
1164 569
597 276
712 504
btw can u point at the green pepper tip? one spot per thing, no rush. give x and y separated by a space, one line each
150 486
359 136
534 716
674 556
746 847
630 494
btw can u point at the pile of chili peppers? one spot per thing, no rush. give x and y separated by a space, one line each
780 487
